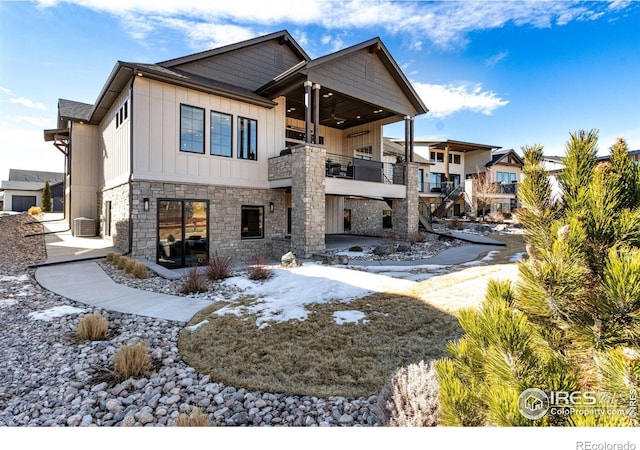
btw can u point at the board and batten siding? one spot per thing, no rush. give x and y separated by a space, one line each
334 214
363 75
157 155
115 145
85 165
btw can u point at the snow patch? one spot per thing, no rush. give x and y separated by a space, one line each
517 257
10 278
7 302
349 316
56 311
193 328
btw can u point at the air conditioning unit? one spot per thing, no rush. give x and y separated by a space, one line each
84 227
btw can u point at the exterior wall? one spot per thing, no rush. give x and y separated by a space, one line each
279 167
366 216
506 168
476 160
156 108
115 145
119 198
334 216
224 217
85 163
308 200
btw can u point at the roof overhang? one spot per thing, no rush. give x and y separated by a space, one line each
459 146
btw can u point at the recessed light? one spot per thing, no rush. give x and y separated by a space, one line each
377 111
327 95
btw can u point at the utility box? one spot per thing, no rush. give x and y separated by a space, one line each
84 227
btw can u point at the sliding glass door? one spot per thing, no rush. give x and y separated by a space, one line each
182 232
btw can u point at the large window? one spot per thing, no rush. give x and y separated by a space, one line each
221 134
191 129
420 180
247 138
182 232
252 222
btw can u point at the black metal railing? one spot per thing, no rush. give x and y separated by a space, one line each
443 188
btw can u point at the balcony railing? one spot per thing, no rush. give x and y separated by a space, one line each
341 166
443 188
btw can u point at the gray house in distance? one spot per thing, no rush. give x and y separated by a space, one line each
244 150
23 189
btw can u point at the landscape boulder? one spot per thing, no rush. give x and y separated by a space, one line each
383 250
289 261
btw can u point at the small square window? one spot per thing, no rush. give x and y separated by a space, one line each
252 222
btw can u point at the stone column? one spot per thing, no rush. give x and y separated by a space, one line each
405 210
308 199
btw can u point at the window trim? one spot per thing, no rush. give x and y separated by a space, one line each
211 113
204 126
259 208
239 148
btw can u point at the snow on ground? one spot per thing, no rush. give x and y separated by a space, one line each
517 257
349 316
56 311
285 295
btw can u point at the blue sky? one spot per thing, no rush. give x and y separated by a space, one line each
502 73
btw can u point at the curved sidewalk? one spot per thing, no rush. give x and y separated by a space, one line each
87 283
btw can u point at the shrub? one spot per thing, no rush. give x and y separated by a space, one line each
34 210
115 259
122 262
140 270
93 327
355 248
129 265
219 267
195 419
193 282
455 224
110 256
257 270
410 397
131 361
46 197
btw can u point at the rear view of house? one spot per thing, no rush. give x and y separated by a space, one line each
249 149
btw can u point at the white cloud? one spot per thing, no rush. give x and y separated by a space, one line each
35 121
28 103
26 149
5 90
445 100
495 59
445 23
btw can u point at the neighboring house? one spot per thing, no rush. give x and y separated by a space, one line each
23 190
252 149
448 172
634 155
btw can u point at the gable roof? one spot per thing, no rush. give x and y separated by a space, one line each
282 35
35 175
69 109
507 157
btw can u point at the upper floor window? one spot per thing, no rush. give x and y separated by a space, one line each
191 129
221 132
122 114
437 156
364 153
454 159
247 138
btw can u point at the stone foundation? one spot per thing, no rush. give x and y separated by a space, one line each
366 216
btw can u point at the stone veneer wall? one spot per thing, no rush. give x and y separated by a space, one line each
405 210
280 167
308 199
366 216
224 217
119 198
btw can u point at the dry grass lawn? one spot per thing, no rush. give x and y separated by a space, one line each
318 357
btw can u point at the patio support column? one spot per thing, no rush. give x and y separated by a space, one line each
411 138
307 111
405 210
316 113
446 162
407 138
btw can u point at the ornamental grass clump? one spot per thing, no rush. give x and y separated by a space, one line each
218 267
257 270
110 256
193 282
140 270
92 327
122 262
130 265
194 419
131 361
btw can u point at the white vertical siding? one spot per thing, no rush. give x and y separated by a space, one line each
334 214
85 170
157 154
115 144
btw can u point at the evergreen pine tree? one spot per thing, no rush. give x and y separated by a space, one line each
573 320
46 197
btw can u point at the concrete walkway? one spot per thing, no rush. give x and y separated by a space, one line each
449 257
85 282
